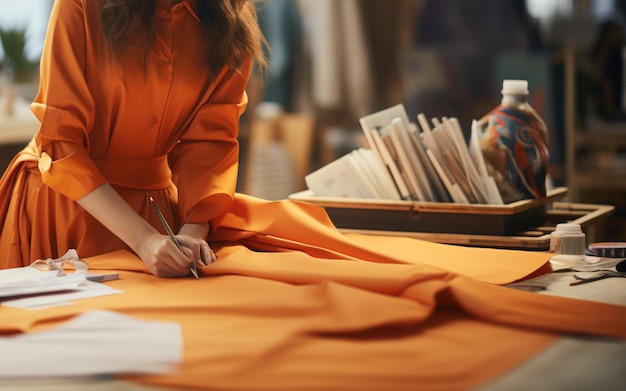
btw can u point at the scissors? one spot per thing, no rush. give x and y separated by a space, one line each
600 276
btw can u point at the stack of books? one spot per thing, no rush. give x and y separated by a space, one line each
404 160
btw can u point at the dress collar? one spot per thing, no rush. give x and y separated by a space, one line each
190 5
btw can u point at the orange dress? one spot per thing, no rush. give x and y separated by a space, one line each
157 126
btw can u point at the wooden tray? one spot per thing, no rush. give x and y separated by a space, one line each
536 238
433 217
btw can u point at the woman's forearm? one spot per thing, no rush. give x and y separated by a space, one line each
157 251
112 211
198 231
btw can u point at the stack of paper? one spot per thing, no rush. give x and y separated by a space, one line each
48 283
428 162
29 281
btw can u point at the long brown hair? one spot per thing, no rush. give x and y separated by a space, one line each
230 25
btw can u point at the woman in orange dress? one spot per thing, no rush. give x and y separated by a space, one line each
137 99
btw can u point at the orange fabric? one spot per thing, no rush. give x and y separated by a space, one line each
293 304
288 225
289 320
165 128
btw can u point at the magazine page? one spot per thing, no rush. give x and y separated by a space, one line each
368 175
490 184
471 174
391 165
451 160
372 125
437 158
339 178
379 173
440 193
418 174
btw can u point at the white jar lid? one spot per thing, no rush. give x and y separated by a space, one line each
514 87
568 228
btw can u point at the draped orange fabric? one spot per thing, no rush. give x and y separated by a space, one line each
338 312
161 127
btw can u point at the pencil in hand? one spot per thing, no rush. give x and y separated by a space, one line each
194 267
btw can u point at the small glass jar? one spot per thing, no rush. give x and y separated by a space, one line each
568 242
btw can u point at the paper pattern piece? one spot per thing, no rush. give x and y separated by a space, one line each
92 344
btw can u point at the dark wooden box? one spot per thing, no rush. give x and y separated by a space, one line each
433 217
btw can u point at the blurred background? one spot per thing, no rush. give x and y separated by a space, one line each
333 62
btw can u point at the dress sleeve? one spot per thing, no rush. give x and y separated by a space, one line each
64 104
204 163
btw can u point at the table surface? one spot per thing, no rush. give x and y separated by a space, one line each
19 126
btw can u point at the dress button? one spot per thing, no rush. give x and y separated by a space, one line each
153 120
167 59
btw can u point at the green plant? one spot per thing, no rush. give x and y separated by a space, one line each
15 59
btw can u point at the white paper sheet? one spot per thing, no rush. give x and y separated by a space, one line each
93 344
48 283
28 280
88 289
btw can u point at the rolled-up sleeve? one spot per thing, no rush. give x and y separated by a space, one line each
205 161
64 105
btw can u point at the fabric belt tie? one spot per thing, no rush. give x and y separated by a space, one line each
146 174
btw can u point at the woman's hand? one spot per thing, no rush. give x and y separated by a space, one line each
201 252
163 258
158 252
192 237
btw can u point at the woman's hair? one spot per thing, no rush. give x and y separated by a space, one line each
230 25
